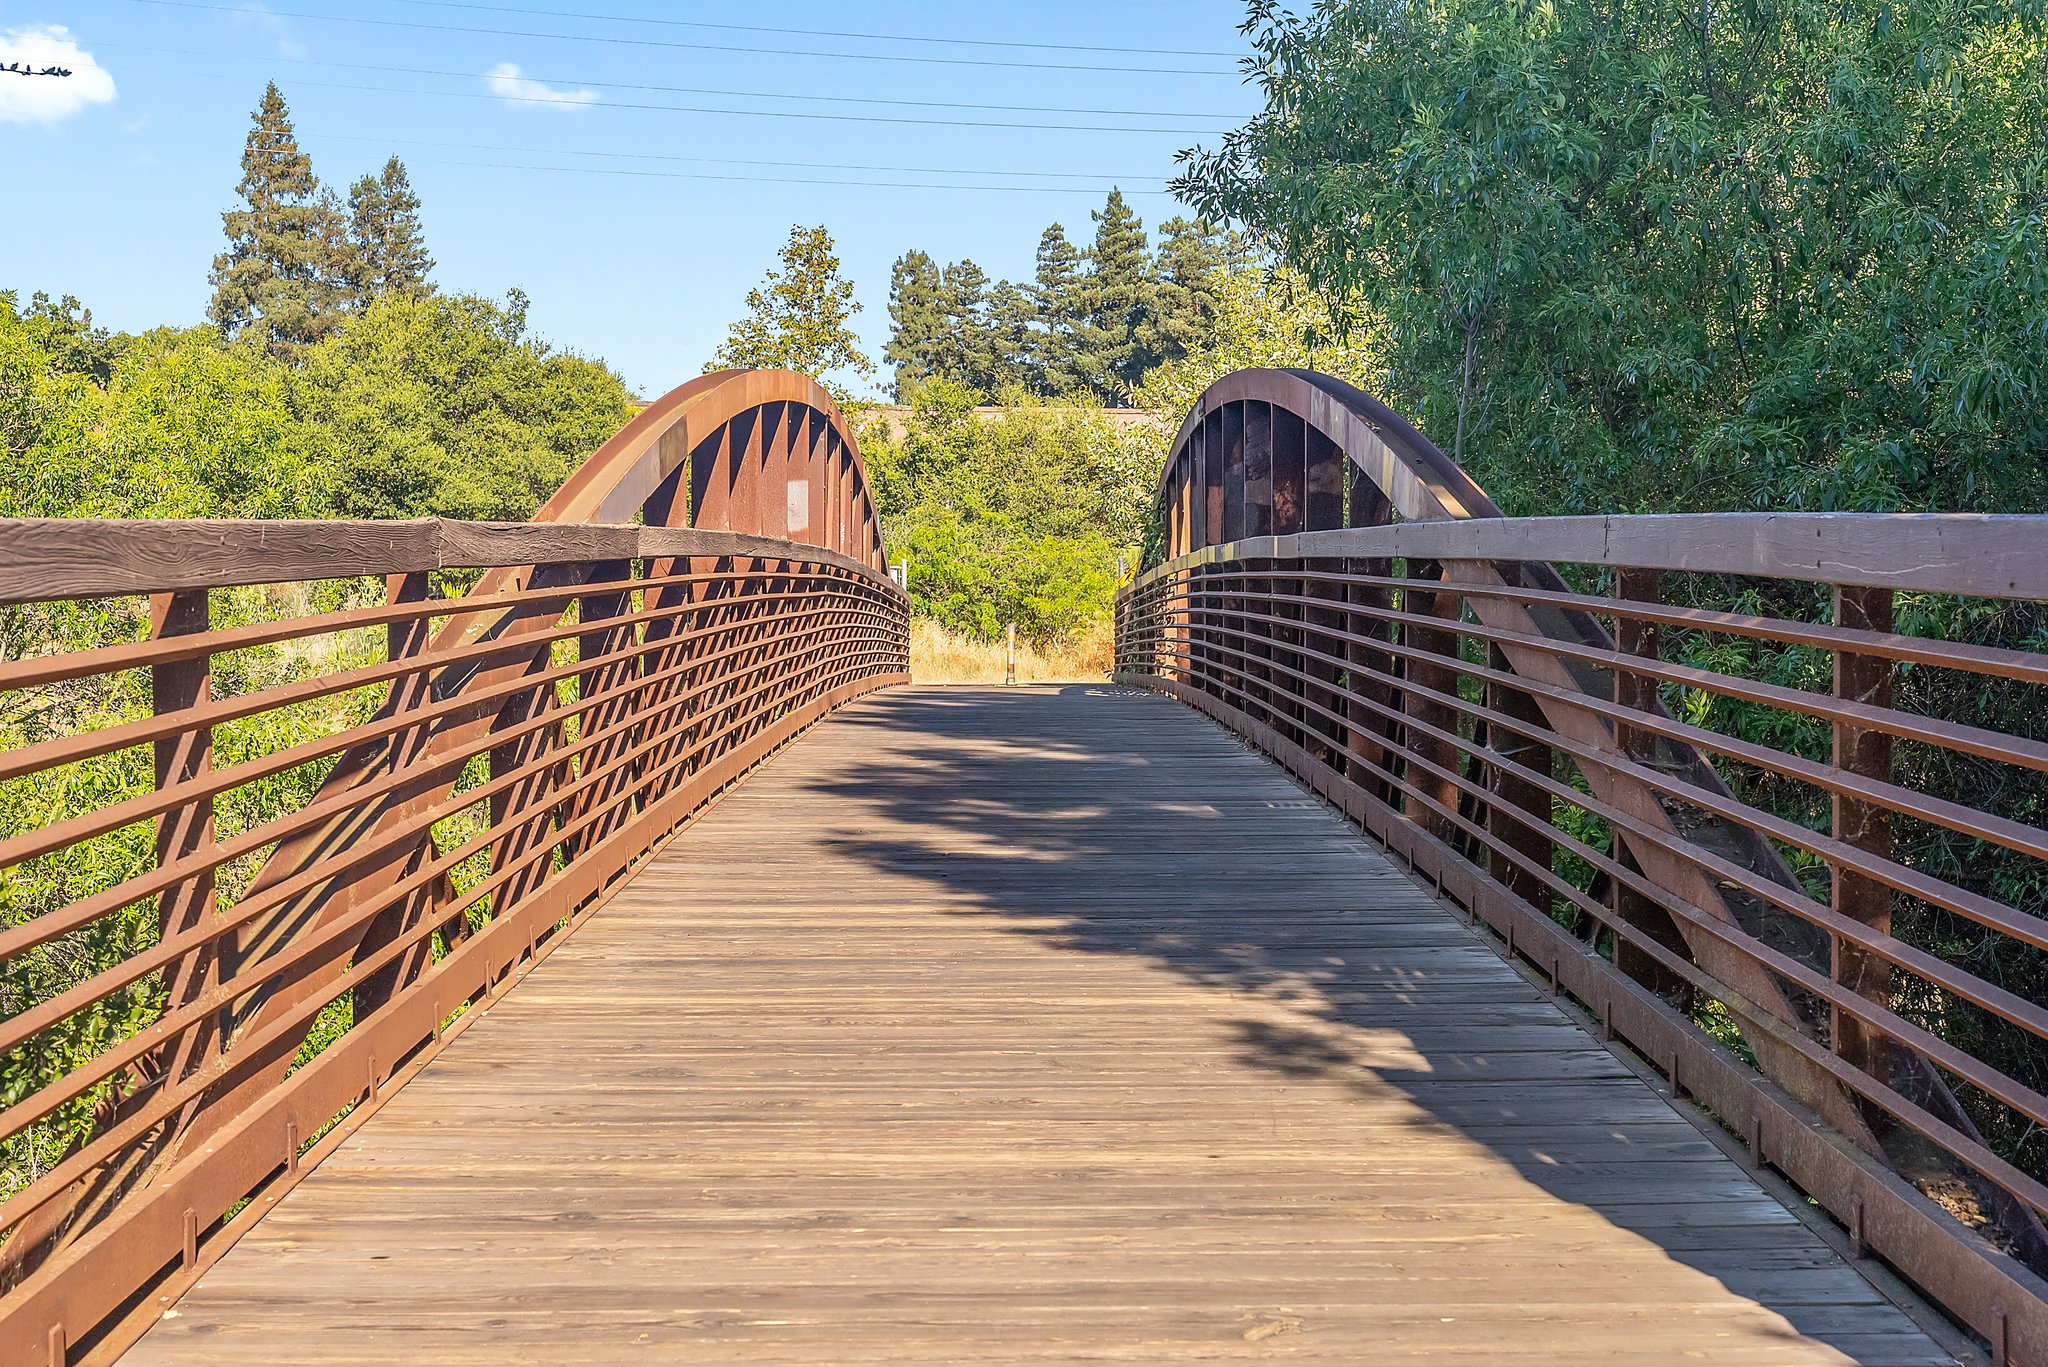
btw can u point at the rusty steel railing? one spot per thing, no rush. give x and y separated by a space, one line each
1727 781
335 815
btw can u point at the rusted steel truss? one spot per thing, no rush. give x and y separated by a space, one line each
1337 590
709 584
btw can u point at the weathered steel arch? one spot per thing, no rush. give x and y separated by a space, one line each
1275 452
768 454
765 455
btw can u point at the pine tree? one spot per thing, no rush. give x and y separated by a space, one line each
917 323
1192 254
1056 324
970 353
1115 301
388 249
284 272
797 318
1013 336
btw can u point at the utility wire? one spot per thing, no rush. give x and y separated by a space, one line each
822 33
1093 191
617 41
736 113
665 89
1095 176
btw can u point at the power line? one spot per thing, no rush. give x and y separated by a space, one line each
616 41
665 89
1095 176
779 180
822 33
736 113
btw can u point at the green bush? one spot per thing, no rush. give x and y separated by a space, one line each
442 405
1017 516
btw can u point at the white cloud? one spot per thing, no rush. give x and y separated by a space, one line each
46 99
507 84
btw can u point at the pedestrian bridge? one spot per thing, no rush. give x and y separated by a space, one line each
1446 938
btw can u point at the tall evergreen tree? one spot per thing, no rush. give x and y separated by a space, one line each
1056 324
387 247
917 323
798 318
1192 255
1013 334
281 273
1115 301
971 346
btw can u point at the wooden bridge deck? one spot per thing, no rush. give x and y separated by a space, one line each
1027 1025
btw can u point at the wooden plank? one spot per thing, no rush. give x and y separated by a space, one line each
1027 1025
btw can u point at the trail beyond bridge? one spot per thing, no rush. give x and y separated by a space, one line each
1446 938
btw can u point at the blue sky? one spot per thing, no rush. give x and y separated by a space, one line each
531 132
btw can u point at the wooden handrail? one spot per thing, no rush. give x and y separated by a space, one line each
53 559
1983 555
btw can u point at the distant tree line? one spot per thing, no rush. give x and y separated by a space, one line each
1090 325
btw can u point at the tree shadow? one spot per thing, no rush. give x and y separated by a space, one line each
1106 821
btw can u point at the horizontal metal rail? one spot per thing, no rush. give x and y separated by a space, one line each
1444 684
512 755
258 863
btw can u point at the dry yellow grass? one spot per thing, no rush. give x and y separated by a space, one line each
939 656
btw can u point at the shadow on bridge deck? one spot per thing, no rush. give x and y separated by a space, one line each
1041 1024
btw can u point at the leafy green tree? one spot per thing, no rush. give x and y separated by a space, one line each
1055 299
1114 303
284 274
1769 254
441 405
388 246
797 318
63 330
917 323
173 423
1260 317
